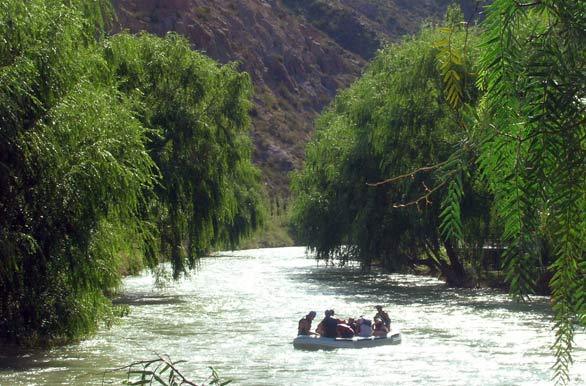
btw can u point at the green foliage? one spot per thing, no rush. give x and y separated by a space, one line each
519 155
73 164
106 148
452 64
451 214
534 149
529 134
276 230
392 121
198 110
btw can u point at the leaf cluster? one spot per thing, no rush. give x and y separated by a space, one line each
533 153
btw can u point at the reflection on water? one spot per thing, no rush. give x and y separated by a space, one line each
239 313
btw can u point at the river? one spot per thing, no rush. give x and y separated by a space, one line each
238 313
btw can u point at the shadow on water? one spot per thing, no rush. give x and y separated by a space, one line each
20 359
30 362
406 289
137 299
15 358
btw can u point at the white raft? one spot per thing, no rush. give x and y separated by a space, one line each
320 342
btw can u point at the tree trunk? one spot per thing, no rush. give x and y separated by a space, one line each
454 272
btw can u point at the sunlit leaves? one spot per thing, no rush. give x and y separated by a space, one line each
534 150
391 122
451 212
76 161
113 152
209 191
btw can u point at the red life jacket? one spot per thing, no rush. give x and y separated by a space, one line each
344 331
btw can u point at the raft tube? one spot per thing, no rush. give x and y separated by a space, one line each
319 342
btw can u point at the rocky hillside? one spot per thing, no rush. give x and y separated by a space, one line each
298 53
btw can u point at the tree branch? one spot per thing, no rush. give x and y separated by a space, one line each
524 5
418 200
145 363
424 197
410 174
508 135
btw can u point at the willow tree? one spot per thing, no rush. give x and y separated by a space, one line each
106 144
393 120
197 113
73 171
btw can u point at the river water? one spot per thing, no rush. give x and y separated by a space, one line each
239 313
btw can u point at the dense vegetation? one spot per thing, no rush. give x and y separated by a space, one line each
395 119
208 192
111 150
457 138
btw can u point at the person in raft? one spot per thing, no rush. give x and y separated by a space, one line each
379 328
328 326
364 327
382 315
353 325
304 327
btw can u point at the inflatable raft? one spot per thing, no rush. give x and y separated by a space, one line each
319 342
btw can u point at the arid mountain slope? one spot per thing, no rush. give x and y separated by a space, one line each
298 53
363 26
